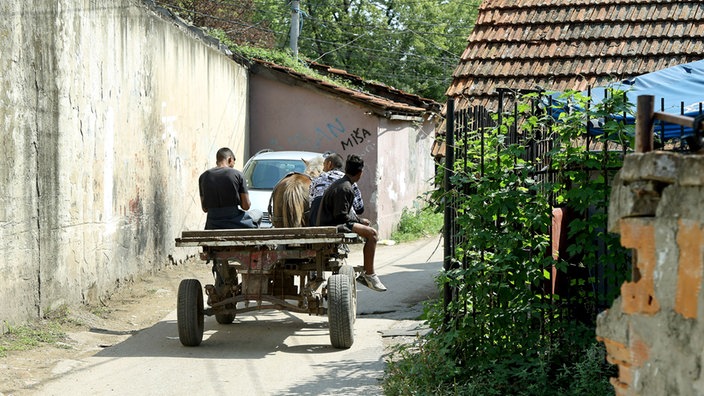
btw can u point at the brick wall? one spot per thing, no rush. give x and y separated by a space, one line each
654 331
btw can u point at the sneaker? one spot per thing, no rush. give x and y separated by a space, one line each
372 282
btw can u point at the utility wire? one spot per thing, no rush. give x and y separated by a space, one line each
338 45
450 61
341 46
453 58
435 45
392 30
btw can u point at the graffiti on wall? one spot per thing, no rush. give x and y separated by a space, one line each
332 137
356 138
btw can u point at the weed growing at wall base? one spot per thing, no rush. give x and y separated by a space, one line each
418 223
47 331
28 336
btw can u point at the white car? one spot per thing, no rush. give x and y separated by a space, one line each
265 169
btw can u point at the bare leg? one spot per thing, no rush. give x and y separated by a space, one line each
369 251
370 235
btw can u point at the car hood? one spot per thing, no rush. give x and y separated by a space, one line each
259 199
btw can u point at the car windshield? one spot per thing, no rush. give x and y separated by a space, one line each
264 174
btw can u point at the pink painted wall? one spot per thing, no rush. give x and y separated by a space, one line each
396 153
405 168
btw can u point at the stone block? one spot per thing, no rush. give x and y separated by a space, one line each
691 172
655 165
612 323
680 202
635 199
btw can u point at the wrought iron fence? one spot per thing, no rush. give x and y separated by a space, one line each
473 122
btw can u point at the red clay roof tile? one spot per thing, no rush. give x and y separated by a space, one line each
571 44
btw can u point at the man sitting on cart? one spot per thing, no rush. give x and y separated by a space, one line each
336 209
224 196
332 170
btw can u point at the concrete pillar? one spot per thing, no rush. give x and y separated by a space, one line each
653 331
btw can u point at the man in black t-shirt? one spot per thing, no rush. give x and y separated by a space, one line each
224 196
332 170
336 209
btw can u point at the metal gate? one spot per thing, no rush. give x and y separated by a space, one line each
471 123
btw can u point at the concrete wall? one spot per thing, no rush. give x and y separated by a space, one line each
109 114
398 165
405 169
653 331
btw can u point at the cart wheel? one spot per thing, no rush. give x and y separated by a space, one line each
189 312
341 310
349 271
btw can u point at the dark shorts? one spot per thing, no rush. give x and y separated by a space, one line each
345 228
229 218
314 208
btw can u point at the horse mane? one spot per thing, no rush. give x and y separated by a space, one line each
291 201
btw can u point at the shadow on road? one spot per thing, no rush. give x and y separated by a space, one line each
344 377
409 285
255 335
252 336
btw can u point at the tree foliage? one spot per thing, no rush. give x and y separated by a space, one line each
232 17
412 45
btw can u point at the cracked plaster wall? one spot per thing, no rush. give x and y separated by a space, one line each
110 111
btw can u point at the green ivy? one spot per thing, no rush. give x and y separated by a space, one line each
505 332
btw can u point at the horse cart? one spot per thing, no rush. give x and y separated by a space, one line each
293 269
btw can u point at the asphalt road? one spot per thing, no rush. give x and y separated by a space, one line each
269 352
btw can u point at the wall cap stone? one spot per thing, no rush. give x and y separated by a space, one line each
664 166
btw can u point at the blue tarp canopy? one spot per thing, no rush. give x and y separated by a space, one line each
680 88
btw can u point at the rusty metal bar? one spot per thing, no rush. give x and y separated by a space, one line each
645 120
676 119
644 123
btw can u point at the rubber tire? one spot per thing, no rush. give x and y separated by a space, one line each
189 312
349 271
341 310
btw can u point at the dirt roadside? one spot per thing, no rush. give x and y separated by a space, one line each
135 306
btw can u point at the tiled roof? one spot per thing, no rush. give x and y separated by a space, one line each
385 99
559 45
376 88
